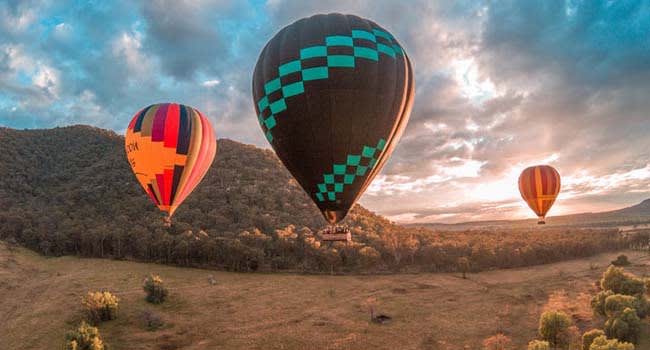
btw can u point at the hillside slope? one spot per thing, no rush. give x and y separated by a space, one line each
71 191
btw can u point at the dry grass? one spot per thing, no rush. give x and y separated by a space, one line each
39 301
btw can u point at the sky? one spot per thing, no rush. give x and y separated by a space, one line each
500 85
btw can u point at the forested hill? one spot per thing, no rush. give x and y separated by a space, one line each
71 191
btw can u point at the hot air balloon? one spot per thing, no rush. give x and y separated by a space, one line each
170 148
539 186
333 94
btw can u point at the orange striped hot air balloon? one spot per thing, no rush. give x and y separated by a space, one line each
539 185
170 148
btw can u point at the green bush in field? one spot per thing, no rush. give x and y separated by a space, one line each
86 337
155 290
554 328
589 337
598 302
620 282
539 345
602 343
621 260
625 327
617 303
100 306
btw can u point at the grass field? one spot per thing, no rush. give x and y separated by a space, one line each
39 301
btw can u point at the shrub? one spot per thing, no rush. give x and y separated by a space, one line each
151 320
598 302
100 306
498 341
539 345
619 282
156 291
621 260
86 337
625 326
602 343
554 327
615 304
589 337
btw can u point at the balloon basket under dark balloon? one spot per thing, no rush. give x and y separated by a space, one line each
336 233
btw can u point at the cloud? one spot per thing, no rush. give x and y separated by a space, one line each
499 86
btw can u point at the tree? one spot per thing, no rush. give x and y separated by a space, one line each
602 343
539 345
100 306
619 282
155 290
598 302
617 303
589 337
498 341
85 337
554 328
621 260
625 327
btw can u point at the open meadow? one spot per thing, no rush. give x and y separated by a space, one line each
40 301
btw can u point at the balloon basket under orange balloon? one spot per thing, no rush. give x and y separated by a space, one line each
167 221
541 221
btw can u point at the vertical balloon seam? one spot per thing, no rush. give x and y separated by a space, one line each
322 72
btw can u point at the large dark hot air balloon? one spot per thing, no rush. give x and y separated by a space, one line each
539 186
170 148
333 94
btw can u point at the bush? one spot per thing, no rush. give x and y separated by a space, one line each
589 337
498 341
619 282
602 343
539 345
554 328
598 302
151 320
617 303
625 327
100 306
156 291
85 337
621 260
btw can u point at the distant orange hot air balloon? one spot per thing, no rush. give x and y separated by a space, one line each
539 185
170 148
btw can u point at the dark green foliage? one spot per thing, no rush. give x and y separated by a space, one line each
85 337
554 327
621 260
155 290
71 191
624 326
589 337
602 343
598 301
100 306
617 303
539 345
619 282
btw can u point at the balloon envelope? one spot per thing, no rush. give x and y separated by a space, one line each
170 148
539 186
333 94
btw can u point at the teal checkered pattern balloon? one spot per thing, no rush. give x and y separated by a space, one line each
316 73
344 174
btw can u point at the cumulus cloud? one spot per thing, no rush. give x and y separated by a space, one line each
499 86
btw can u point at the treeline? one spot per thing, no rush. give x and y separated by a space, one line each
70 191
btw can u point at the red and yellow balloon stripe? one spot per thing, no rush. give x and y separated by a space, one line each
170 148
539 186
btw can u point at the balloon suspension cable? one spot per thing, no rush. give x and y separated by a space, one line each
167 220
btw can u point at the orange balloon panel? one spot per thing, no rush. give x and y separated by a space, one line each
170 148
539 186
